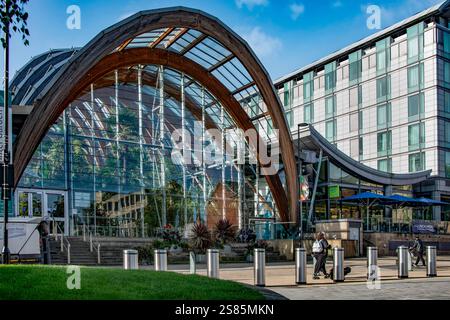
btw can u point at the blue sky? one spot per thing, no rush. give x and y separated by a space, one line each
286 34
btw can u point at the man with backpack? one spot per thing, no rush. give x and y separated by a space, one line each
319 252
418 249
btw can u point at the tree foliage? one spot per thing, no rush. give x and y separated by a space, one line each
17 18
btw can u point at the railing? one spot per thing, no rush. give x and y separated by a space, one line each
93 246
65 244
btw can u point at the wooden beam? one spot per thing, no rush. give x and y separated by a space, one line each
161 38
178 36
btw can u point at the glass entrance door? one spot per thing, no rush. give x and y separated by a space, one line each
50 205
55 209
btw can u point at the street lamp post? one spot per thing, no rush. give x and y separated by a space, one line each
300 174
6 161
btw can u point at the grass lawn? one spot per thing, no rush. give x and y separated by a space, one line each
50 283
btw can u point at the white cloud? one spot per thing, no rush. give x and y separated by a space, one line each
250 4
263 44
296 10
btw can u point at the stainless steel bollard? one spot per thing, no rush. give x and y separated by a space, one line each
192 263
259 266
160 260
372 260
130 259
403 256
300 266
213 263
431 261
338 265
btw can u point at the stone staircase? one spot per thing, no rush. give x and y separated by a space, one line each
80 254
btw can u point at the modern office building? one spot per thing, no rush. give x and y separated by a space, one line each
384 101
94 128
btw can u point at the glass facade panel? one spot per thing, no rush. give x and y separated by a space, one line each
330 128
416 162
384 88
416 136
308 113
416 107
384 143
114 154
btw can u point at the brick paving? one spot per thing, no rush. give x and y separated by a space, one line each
280 278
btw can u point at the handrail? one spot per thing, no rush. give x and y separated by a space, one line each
63 246
93 246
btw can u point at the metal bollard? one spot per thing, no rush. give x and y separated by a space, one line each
130 260
192 263
372 260
338 265
213 263
300 266
160 260
259 266
403 256
431 262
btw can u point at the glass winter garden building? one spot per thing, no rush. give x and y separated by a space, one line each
94 127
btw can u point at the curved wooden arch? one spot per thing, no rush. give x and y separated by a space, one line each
57 91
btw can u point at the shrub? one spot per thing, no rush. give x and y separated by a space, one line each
145 254
201 238
224 232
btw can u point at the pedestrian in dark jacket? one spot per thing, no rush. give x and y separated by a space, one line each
320 247
418 249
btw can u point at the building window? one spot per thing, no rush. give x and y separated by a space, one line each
447 164
308 86
330 130
447 74
385 165
383 55
415 42
416 136
287 95
383 89
384 116
355 97
308 113
446 43
447 101
330 107
384 143
360 121
354 122
416 107
447 133
416 162
290 119
330 77
361 147
355 67
415 78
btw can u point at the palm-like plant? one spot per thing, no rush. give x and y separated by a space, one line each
201 238
224 232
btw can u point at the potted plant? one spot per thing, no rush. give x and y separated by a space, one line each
224 233
200 241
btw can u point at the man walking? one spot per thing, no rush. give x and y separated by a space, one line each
418 249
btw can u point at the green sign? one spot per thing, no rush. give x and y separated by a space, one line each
334 191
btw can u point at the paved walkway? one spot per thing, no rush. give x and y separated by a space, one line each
410 289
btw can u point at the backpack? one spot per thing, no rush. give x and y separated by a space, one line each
317 247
